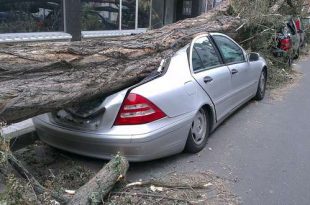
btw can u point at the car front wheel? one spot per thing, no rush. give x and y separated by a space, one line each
260 94
199 132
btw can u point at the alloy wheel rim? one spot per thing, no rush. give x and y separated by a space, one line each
199 127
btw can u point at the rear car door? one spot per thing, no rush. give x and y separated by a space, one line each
242 80
211 74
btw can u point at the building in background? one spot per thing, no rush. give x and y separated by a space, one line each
31 19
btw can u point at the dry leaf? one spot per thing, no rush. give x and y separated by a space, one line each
71 192
154 188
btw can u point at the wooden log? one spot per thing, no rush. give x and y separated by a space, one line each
37 78
94 191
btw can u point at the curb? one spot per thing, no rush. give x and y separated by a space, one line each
17 129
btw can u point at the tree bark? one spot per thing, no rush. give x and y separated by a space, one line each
37 78
94 191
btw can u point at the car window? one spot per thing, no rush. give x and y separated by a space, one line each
197 63
291 28
231 52
204 54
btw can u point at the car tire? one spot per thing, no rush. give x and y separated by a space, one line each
297 55
199 132
260 94
289 61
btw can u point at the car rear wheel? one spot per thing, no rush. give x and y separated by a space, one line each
199 132
297 54
289 60
260 94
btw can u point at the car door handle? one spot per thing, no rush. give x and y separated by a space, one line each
207 79
234 71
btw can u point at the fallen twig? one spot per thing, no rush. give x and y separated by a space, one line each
152 195
240 27
36 185
179 185
252 37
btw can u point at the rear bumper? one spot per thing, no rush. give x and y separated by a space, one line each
168 140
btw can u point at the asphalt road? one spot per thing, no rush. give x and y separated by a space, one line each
264 148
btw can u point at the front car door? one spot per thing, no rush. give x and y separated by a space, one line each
242 78
211 74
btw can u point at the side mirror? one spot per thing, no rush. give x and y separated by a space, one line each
253 57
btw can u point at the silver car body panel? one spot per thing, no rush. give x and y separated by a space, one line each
179 93
164 141
219 89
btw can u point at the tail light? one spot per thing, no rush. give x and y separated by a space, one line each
285 44
136 109
298 24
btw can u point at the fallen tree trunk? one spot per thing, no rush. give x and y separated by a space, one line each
40 77
94 191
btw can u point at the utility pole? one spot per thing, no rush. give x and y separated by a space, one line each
72 18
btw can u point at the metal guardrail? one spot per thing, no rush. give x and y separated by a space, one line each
35 36
61 36
98 34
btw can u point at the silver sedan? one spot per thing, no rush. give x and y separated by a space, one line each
173 110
